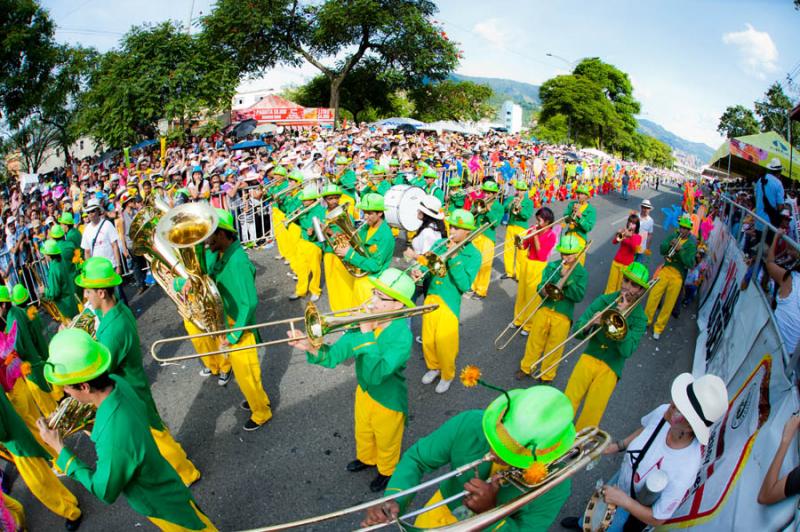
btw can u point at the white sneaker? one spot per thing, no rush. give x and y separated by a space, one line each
314 297
430 376
443 386
656 336
418 339
205 372
523 332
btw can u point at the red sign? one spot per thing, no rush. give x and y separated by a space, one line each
287 115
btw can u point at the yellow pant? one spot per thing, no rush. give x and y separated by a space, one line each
22 401
44 401
362 290
15 509
247 370
379 433
548 329
308 264
58 392
593 381
436 518
512 257
281 236
45 486
440 338
339 283
614 277
206 344
292 240
486 247
172 527
175 455
669 287
529 275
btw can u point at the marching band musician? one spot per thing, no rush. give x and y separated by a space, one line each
550 324
60 288
440 328
309 250
431 188
600 366
381 350
455 194
379 243
347 181
519 208
582 216
118 332
67 251
679 250
629 241
128 459
280 174
230 268
67 222
377 180
338 280
485 242
290 204
535 429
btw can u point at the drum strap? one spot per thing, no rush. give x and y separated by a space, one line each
638 455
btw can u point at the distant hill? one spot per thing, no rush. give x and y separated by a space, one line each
702 152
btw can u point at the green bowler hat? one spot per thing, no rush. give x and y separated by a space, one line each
394 162
582 189
570 244
430 173
98 272
378 170
462 219
56 232
75 357
19 294
371 202
341 160
535 427
637 273
331 189
686 221
296 175
455 182
309 193
225 220
489 186
279 170
66 218
5 296
395 283
521 185
50 247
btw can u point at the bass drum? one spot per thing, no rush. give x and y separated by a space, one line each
402 204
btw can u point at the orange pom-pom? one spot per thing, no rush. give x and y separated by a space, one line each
25 368
422 260
470 376
536 473
32 312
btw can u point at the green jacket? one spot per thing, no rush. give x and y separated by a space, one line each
402 178
574 289
129 463
612 352
27 347
61 287
15 435
456 201
380 249
526 211
67 254
74 236
494 216
37 329
235 276
274 189
461 272
459 441
383 187
118 332
434 191
585 223
348 182
417 181
306 223
380 361
290 204
685 258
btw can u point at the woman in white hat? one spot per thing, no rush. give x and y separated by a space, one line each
670 440
431 213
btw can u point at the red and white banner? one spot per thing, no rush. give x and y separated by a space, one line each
288 116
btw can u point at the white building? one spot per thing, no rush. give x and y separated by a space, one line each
511 115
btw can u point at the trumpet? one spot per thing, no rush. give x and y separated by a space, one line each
300 212
437 264
555 291
519 240
317 325
71 416
347 236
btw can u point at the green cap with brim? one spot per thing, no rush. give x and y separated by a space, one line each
489 186
462 219
582 189
521 185
309 193
19 294
637 273
296 175
394 162
66 218
225 220
397 284
279 170
75 357
98 272
378 170
331 189
455 182
372 202
686 221
341 160
56 232
535 427
50 247
430 173
5 295
570 244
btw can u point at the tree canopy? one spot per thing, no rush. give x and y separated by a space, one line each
452 100
772 112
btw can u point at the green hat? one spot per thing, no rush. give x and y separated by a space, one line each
98 272
570 244
521 185
225 220
75 357
455 182
66 218
56 232
279 170
637 273
50 247
489 186
394 162
430 173
462 219
395 283
371 202
5 296
535 427
19 294
309 193
341 160
296 175
582 189
331 189
686 221
378 170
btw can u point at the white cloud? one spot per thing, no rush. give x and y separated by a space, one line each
757 51
492 31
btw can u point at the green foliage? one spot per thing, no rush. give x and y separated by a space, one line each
553 131
158 72
772 110
737 121
452 100
651 150
33 139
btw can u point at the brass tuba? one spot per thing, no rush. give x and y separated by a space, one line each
347 236
71 416
86 320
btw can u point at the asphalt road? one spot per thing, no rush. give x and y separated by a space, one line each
295 466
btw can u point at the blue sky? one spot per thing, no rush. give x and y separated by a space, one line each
687 60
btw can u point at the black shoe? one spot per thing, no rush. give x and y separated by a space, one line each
251 425
357 465
379 483
521 375
571 523
505 276
245 405
73 524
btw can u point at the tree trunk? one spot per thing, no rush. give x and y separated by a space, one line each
336 84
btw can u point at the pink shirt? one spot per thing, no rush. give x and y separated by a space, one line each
547 241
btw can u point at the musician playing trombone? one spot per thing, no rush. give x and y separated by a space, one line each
582 216
679 250
595 376
431 188
381 350
550 324
338 280
492 214
309 251
290 204
519 208
278 183
60 287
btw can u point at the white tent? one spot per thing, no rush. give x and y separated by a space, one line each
450 125
596 153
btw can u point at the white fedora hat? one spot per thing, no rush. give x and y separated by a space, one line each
646 203
775 164
431 206
702 402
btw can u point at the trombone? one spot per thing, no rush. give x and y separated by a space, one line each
533 231
556 291
300 212
437 264
317 324
674 248
613 323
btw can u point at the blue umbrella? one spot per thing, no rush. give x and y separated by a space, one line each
144 144
249 145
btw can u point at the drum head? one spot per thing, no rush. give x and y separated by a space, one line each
402 204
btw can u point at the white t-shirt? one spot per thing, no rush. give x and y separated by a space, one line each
646 226
787 315
106 236
425 239
680 465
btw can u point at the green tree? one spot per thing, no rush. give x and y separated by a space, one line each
334 36
737 121
650 150
773 111
452 100
33 139
158 72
